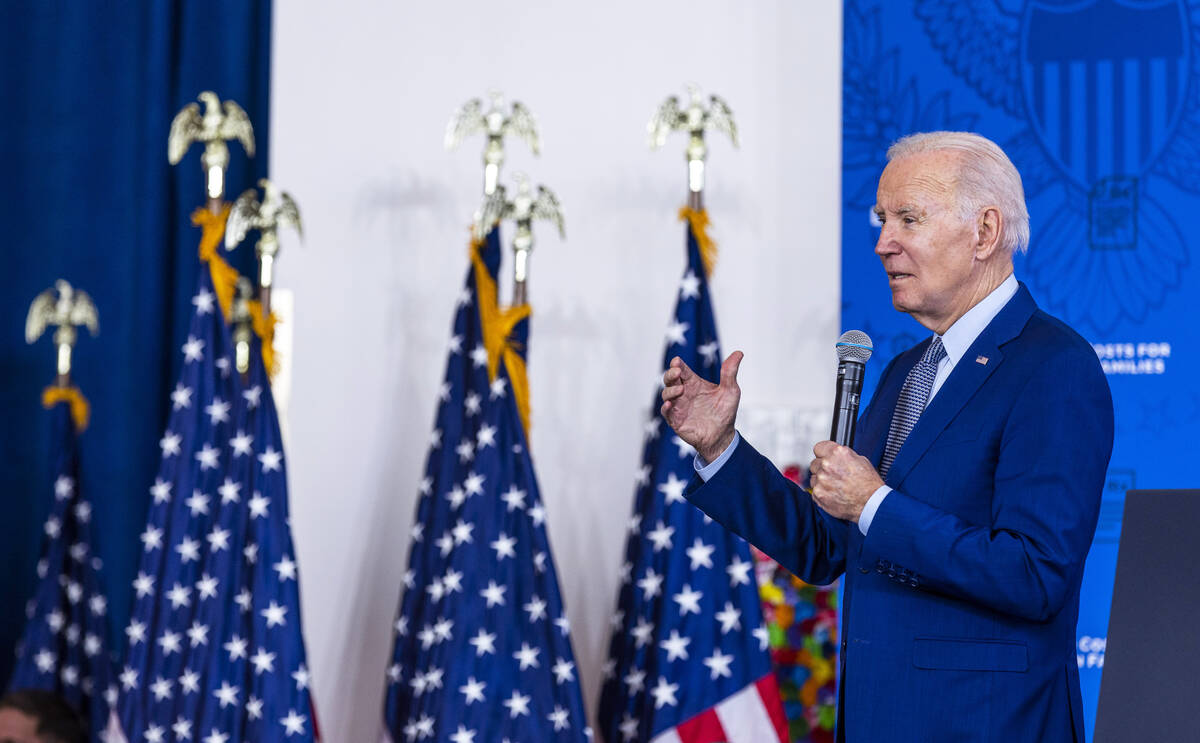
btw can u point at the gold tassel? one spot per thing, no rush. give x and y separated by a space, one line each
224 276
698 220
497 325
264 327
80 409
514 362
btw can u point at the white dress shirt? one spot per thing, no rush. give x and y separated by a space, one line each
956 340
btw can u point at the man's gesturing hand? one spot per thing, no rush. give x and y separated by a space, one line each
842 481
702 413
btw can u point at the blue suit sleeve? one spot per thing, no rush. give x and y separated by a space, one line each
1050 466
751 498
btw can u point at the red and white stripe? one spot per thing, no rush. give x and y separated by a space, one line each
753 715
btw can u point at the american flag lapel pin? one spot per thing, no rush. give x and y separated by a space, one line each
981 360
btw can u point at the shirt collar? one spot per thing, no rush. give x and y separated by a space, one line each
959 336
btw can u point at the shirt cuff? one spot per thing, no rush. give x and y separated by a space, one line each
868 512
707 469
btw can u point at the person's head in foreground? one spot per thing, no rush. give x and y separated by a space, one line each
36 716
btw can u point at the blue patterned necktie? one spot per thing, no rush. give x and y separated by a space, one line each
914 395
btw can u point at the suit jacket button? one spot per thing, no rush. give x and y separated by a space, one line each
863 570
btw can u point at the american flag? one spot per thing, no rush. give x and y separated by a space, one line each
65 645
482 645
215 650
688 659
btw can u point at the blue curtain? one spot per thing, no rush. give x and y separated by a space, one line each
86 194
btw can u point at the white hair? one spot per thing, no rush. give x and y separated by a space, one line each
986 177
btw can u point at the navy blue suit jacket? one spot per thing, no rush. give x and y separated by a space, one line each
961 602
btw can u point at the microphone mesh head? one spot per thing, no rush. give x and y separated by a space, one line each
854 345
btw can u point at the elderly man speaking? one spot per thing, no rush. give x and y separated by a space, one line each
962 518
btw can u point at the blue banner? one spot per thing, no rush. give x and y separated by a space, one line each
1097 102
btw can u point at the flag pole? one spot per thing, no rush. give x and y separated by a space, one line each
495 124
525 207
694 119
277 209
66 308
220 122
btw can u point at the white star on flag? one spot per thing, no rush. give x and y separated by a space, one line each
188 549
293 723
274 614
198 503
514 497
688 600
181 397
564 670
207 457
253 397
518 704
161 491
479 356
484 643
236 647
230 491
203 301
193 350
169 444
689 286
498 388
661 536
493 593
129 679
664 693
263 661
286 569
718 664
258 506
763 637
472 403
216 736
676 333
270 460
218 411
536 608
559 718
643 631
152 538
700 554
227 694
730 618
527 656
473 691
651 583
673 488
676 646
463 735
301 676
241 444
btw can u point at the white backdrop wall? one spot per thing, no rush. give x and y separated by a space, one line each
362 91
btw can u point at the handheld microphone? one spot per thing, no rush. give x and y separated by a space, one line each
853 350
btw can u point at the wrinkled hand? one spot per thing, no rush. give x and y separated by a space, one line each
702 413
842 481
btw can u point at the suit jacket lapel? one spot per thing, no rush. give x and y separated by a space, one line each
966 378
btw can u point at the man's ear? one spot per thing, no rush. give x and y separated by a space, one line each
987 230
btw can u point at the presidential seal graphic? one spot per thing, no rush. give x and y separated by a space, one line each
1108 109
